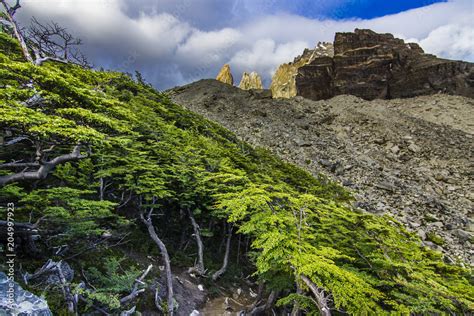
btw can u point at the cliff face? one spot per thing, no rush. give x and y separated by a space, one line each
225 75
283 81
251 81
378 66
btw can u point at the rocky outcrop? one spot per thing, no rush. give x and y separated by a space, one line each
378 66
225 75
283 81
251 81
16 301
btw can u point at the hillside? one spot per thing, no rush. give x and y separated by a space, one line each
117 191
409 158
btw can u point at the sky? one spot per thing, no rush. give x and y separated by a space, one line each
174 42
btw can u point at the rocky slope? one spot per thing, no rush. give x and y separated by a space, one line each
408 157
283 81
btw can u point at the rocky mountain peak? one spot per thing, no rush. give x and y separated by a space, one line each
283 82
379 66
225 75
251 81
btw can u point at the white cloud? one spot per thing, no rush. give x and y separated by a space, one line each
264 56
453 41
171 48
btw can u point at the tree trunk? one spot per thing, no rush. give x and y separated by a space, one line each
166 259
321 298
16 30
199 268
222 270
296 308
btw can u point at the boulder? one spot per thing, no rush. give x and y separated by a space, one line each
251 81
22 302
283 81
225 75
379 66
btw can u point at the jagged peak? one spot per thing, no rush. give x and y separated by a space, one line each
225 75
251 81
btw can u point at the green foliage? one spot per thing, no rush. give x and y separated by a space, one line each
110 283
147 153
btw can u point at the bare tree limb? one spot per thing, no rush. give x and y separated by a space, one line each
56 267
9 13
199 268
52 42
135 289
322 300
45 167
164 254
222 270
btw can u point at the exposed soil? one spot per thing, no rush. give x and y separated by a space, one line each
412 158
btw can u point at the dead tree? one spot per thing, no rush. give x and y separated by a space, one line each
199 268
8 19
51 41
47 41
164 254
223 269
56 267
43 167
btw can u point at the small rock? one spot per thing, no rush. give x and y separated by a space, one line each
201 287
414 148
395 149
463 235
422 234
437 224
386 186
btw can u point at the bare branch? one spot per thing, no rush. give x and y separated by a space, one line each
166 259
322 300
52 42
45 167
199 267
9 13
222 270
135 290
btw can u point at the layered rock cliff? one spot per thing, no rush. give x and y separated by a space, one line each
379 66
283 81
251 81
225 75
